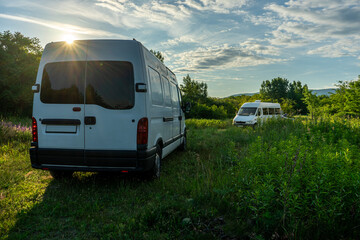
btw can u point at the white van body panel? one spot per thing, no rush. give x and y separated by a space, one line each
164 116
258 115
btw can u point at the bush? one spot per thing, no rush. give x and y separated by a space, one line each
207 123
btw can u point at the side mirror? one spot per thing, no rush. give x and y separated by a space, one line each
35 88
186 107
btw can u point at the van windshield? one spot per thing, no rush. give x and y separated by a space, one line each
247 111
109 84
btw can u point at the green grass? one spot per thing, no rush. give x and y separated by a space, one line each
290 179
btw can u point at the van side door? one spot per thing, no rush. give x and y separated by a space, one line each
167 111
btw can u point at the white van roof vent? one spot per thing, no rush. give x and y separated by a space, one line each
257 100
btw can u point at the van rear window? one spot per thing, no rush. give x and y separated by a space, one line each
109 84
63 82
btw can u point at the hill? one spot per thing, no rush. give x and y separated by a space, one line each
325 91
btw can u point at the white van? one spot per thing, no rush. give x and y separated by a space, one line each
251 113
104 105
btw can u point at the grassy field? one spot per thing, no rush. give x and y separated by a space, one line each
291 179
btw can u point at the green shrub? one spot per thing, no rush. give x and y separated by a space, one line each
207 123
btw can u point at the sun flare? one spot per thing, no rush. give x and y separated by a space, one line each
69 38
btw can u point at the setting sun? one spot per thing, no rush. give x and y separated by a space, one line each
69 38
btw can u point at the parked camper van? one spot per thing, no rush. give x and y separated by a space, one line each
251 113
104 105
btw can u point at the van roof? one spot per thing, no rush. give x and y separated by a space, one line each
261 104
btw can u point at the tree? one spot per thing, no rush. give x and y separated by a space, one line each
296 94
275 89
19 61
287 105
193 91
158 55
312 102
348 99
282 91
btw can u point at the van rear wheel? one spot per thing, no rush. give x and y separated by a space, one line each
154 172
57 174
183 145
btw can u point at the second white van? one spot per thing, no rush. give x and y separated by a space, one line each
104 105
252 113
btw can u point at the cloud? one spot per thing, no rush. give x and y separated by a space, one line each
254 46
340 48
217 6
299 23
318 21
221 57
62 27
153 12
181 39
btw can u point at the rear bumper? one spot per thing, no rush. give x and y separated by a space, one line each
92 160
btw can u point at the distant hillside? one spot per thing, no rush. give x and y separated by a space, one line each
326 91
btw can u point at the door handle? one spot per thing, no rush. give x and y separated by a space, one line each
90 120
168 119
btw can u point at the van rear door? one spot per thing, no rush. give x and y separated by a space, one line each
110 116
60 112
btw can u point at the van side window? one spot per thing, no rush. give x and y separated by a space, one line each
110 84
271 111
156 89
265 111
63 82
277 111
258 112
166 88
174 96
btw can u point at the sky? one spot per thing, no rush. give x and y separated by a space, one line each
231 45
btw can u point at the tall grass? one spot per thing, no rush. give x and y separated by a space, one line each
290 179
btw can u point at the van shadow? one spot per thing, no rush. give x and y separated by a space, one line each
85 206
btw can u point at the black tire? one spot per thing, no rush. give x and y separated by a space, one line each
57 174
182 147
154 172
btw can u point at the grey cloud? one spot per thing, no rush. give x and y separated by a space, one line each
220 57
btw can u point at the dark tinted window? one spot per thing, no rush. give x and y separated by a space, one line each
156 90
271 111
174 95
110 84
265 111
63 82
166 87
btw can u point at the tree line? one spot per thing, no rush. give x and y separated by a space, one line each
20 57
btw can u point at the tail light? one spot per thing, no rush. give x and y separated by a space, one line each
142 131
34 130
